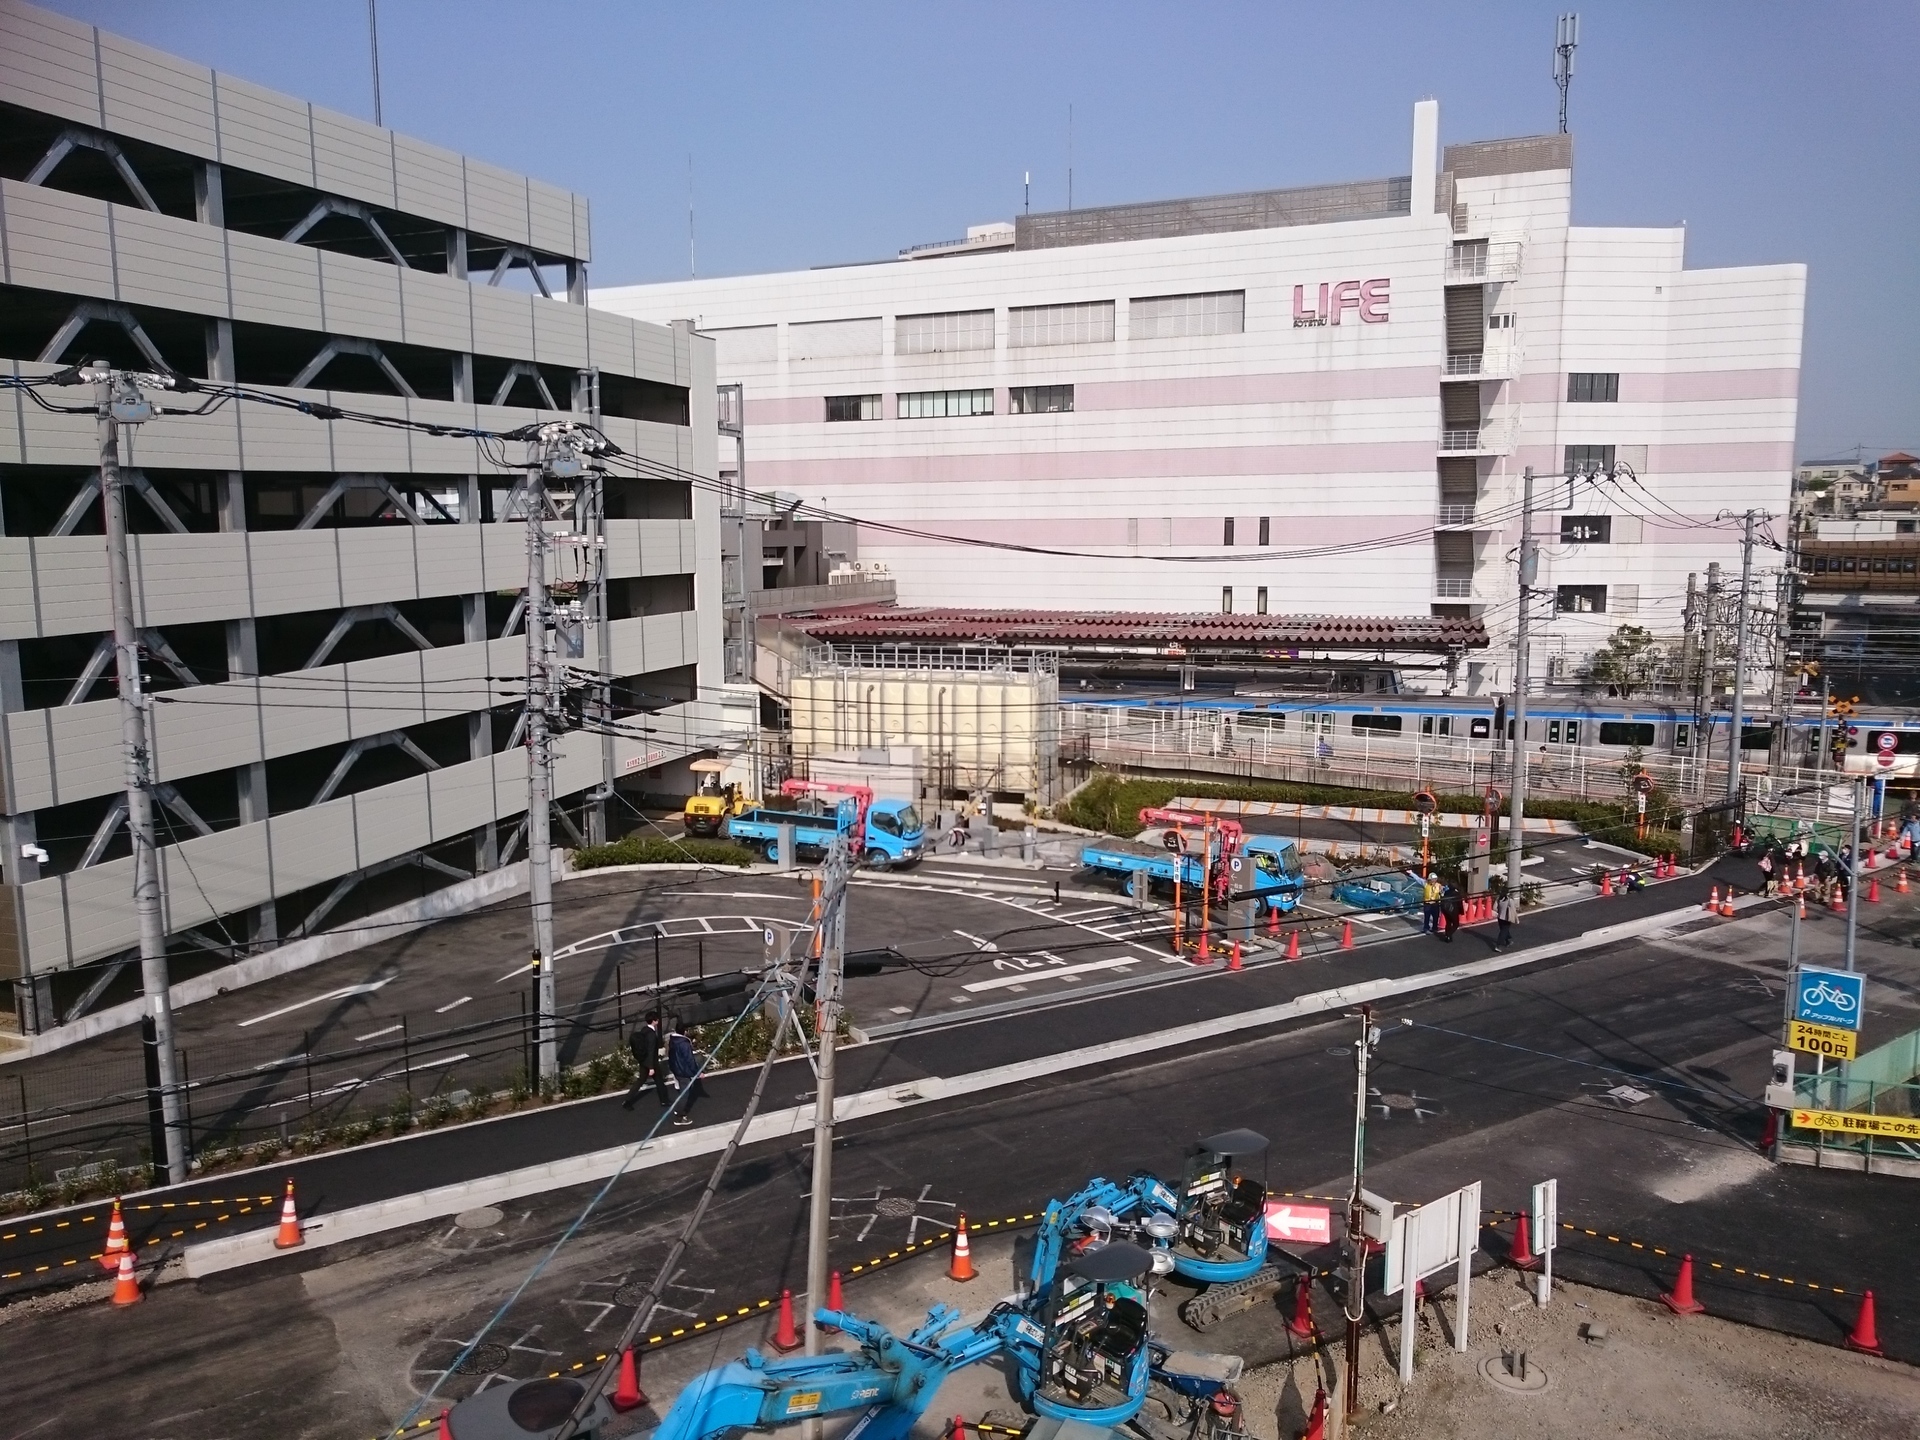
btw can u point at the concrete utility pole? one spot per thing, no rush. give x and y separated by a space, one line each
1529 571
1740 653
829 974
1709 666
540 766
119 402
1354 1307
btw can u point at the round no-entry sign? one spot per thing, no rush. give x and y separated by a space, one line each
1888 742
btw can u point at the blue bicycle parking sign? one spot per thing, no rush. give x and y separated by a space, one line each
1828 997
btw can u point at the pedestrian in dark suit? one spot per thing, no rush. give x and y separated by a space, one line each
649 1062
684 1062
1452 907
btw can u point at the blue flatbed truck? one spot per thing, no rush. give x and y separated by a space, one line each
890 833
1269 868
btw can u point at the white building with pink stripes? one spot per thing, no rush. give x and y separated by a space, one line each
1317 400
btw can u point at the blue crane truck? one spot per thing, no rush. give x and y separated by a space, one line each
1265 867
879 835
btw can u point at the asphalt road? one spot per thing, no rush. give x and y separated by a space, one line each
1506 1082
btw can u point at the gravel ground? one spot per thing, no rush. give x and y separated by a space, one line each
1654 1375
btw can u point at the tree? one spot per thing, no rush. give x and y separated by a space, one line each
1628 661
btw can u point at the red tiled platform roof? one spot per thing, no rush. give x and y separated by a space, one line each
1196 630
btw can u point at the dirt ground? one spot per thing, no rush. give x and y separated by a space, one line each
1654 1375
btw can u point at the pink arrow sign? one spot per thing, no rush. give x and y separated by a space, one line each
1311 1224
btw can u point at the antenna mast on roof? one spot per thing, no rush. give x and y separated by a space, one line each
1566 37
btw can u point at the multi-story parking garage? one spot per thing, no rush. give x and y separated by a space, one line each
330 611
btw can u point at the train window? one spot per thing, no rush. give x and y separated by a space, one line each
1553 732
1879 565
1628 732
1907 566
1382 724
1756 737
1436 725
1480 729
1846 565
1682 736
1426 724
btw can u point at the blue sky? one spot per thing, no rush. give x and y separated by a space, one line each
839 131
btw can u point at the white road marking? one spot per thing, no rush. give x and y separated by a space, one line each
376 1034
453 1004
340 994
977 942
1015 982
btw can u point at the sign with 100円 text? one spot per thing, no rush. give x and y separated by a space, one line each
1852 1122
1828 1041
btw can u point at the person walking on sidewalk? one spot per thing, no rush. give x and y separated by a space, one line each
649 1063
1452 907
684 1064
1506 908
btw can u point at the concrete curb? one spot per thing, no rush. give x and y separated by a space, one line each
231 1252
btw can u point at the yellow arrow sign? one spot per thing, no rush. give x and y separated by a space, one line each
1897 1127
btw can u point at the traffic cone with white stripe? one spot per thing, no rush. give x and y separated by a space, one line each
1726 905
116 1241
126 1288
1713 901
1900 882
289 1234
961 1266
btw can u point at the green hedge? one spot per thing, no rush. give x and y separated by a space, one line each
1112 803
650 850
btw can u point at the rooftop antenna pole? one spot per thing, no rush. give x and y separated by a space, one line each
1566 37
373 39
691 272
1069 157
1026 186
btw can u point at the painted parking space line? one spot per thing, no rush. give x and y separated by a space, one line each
343 993
453 1005
376 1034
1051 972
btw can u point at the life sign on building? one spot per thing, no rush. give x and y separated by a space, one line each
1366 298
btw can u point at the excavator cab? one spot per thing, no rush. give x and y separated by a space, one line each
1221 1215
1093 1355
529 1410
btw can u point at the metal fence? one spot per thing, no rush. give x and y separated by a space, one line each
68 1128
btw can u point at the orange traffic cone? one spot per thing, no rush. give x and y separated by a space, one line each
445 1429
1606 882
1317 1420
1900 882
1273 921
1803 907
1800 877
1233 959
116 1240
1726 905
1293 945
961 1266
1873 891
1300 1323
1346 935
784 1337
834 1302
1681 1301
289 1234
959 1431
1713 901
1864 1336
1521 1255
126 1289
627 1394
1839 901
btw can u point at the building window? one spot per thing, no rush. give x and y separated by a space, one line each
940 334
1266 529
1226 531
1586 529
1226 599
1583 458
939 404
1029 325
853 407
834 339
1581 600
1039 399
1260 601
1167 317
1502 321
1593 387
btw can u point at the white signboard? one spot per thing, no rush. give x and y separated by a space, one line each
1546 1233
1425 1240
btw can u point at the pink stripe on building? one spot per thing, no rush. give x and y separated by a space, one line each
1397 383
1677 387
787 410
1400 457
1188 533
1706 458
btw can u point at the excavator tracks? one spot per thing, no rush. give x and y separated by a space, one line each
1217 1302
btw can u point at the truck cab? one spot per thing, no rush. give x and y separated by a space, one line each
894 835
1276 875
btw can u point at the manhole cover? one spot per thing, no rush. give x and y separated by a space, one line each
485 1360
1338 1050
485 1217
631 1293
1397 1101
894 1207
1514 1373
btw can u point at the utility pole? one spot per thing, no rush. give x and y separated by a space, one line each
1517 788
1355 1308
540 764
1777 754
1709 667
119 402
1740 655
831 918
